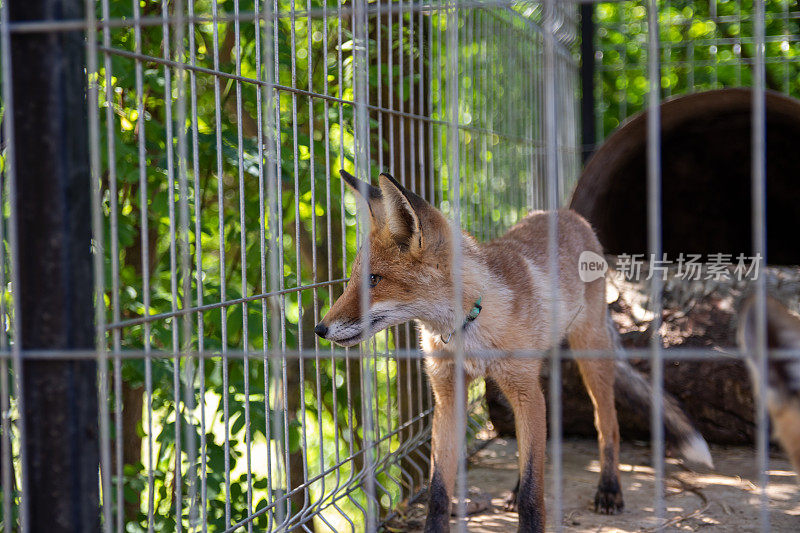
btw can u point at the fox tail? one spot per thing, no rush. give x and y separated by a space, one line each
635 391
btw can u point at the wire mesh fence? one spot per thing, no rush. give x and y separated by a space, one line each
222 233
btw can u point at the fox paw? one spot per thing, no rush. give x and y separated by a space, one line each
608 499
510 502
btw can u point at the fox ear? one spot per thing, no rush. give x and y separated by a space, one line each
368 192
402 218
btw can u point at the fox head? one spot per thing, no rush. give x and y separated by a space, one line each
409 265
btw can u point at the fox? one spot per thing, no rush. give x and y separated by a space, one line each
783 375
507 300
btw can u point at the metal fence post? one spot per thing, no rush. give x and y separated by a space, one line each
55 269
588 119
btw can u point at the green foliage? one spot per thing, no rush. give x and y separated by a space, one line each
699 50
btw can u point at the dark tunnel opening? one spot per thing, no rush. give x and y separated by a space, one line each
706 183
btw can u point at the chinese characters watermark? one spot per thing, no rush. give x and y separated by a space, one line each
689 267
685 267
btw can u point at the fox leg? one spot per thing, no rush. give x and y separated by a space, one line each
598 377
520 383
444 447
786 420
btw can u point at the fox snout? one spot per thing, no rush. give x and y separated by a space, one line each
348 332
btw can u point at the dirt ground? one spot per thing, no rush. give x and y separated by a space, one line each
723 499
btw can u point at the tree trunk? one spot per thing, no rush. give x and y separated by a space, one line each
132 407
403 151
413 398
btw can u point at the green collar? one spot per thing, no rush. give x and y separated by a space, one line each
473 314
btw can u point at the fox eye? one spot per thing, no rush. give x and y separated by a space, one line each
374 279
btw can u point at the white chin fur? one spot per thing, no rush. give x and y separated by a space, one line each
347 342
389 316
696 450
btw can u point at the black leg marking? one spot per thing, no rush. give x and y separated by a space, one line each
608 499
510 503
531 512
438 520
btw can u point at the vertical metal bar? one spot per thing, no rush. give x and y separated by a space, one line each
587 80
601 100
314 256
391 83
243 263
430 192
454 196
169 145
9 167
277 364
185 274
401 94
343 230
222 264
298 260
667 52
145 244
329 231
491 181
380 157
55 269
622 112
424 86
6 458
277 217
421 424
5 400
412 167
115 286
379 91
264 141
758 184
440 109
98 256
468 153
655 247
787 35
551 176
198 278
361 130
328 168
530 126
8 489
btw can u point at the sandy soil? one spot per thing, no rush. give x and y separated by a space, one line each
723 499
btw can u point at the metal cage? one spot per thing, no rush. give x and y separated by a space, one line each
205 158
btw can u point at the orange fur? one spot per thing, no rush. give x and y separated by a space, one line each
783 375
411 249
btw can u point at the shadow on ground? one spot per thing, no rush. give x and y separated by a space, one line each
723 499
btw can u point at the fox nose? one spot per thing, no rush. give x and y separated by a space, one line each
321 330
